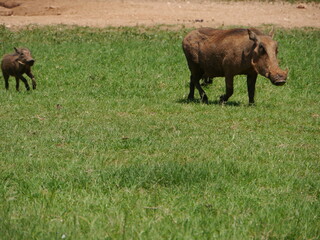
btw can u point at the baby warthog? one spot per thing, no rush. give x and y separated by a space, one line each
16 64
227 53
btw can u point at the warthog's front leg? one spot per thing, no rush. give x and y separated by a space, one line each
251 84
17 83
25 83
34 83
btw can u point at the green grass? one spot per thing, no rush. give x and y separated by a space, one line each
107 147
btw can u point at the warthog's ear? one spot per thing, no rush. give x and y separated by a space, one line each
252 36
17 51
271 33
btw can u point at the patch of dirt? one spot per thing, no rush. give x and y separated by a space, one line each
102 13
9 4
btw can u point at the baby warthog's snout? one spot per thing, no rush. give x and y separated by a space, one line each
30 62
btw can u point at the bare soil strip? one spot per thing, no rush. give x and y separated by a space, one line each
102 13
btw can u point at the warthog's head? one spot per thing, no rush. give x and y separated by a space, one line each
25 57
264 59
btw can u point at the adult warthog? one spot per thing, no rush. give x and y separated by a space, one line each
227 53
16 64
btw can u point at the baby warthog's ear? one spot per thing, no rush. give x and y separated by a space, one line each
252 36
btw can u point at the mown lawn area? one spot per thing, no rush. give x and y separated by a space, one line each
108 147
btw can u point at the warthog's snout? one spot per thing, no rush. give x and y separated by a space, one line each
279 79
280 83
30 62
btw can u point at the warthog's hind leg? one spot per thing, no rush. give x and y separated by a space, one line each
6 80
191 91
207 81
229 89
203 95
195 82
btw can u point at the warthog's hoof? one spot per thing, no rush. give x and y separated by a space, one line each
204 99
190 97
222 100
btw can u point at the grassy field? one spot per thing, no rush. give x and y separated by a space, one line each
108 147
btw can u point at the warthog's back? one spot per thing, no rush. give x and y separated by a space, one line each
203 36
215 50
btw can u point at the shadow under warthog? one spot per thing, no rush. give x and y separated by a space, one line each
210 102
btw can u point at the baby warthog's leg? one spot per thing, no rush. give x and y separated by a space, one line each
34 83
6 80
25 83
17 83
